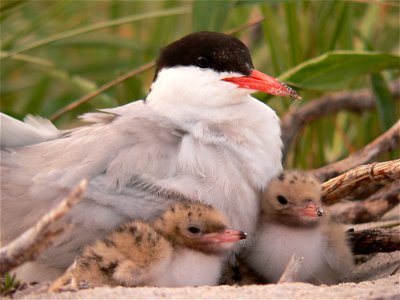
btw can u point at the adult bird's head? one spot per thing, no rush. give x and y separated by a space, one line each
210 69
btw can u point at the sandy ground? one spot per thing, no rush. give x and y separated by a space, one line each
375 277
387 288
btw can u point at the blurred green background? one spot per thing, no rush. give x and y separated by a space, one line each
54 52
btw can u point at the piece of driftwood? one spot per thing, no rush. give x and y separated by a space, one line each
33 241
291 272
373 207
339 187
375 240
388 141
295 120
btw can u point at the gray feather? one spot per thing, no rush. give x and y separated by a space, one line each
138 162
33 130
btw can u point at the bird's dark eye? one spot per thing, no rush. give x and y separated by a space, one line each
203 62
194 229
282 199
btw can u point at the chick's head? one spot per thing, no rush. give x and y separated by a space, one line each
293 199
199 227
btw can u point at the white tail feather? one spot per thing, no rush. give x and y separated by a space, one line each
33 130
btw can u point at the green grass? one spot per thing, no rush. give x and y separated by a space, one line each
55 52
9 285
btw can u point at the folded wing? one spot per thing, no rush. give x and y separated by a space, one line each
123 153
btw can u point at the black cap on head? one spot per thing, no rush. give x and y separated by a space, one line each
213 50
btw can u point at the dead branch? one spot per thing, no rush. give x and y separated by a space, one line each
33 241
388 141
373 207
292 270
375 240
294 121
339 187
396 270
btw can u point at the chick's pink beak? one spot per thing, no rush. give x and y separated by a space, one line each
226 236
311 210
259 81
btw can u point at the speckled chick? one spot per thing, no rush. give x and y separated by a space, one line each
185 246
293 221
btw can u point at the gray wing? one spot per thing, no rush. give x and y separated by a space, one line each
33 130
120 153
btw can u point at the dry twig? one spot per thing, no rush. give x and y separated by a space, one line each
388 141
373 207
375 240
292 270
37 238
396 270
294 121
341 186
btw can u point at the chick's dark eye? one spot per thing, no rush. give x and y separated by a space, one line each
282 199
194 229
203 62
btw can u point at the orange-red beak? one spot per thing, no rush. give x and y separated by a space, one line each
259 81
226 236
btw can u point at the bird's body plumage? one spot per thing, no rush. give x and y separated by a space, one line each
276 244
194 133
219 162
